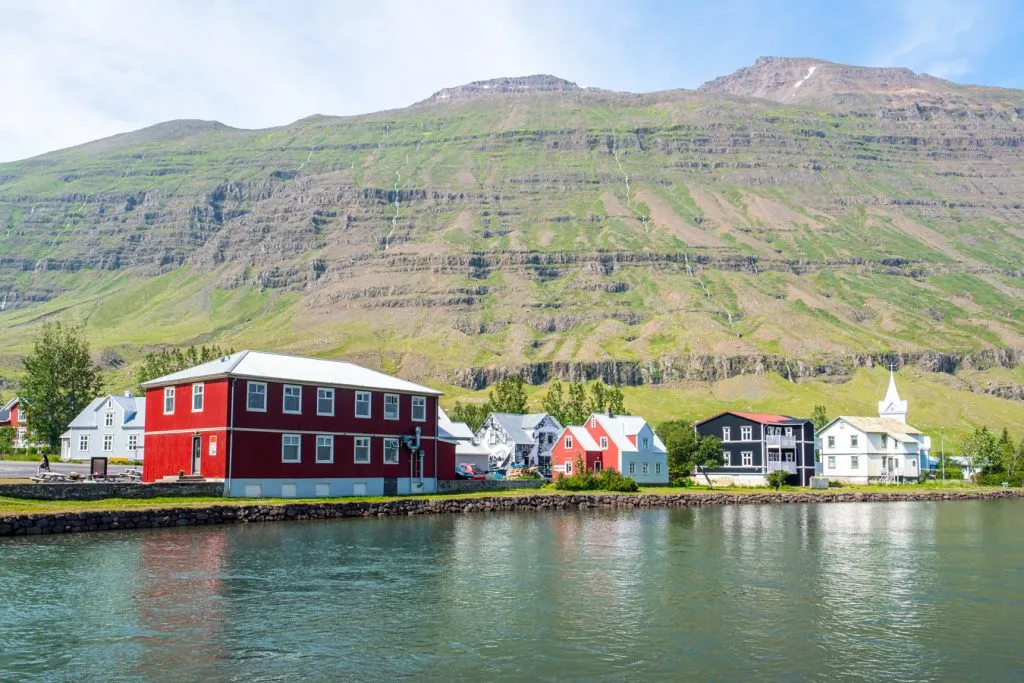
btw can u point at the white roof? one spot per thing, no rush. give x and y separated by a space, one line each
879 425
133 407
282 368
470 448
621 426
583 438
456 430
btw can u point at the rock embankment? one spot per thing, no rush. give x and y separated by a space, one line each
75 522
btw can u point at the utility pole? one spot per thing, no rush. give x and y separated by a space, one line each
942 433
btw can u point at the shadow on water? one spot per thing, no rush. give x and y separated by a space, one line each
899 591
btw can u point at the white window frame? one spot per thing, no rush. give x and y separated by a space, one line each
746 433
593 422
645 444
632 467
321 441
83 442
369 404
727 458
108 418
568 441
854 441
657 468
298 448
397 404
746 458
133 442
604 442
322 394
568 466
108 443
645 468
831 441
201 395
854 462
285 397
726 433
831 462
169 394
360 442
248 396
393 445
22 415
421 403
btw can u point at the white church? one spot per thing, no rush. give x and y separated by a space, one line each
883 449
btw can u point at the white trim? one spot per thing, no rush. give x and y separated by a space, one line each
84 448
412 409
169 392
248 404
316 452
369 405
333 396
398 407
201 396
726 434
108 443
369 450
285 397
568 441
398 450
746 456
298 448
604 442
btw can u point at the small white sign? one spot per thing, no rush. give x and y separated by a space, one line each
213 445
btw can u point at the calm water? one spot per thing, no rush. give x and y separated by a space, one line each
906 591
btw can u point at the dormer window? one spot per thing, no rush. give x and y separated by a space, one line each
645 444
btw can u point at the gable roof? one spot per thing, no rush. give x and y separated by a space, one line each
133 407
619 427
516 425
878 425
459 431
283 368
582 437
760 418
5 412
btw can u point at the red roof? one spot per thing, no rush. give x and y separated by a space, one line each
763 418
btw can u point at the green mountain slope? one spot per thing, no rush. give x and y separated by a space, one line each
798 217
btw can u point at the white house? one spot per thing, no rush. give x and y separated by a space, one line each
111 427
518 440
625 443
859 450
467 451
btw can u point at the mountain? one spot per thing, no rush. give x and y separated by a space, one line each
797 217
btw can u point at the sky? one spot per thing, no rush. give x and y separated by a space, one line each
77 70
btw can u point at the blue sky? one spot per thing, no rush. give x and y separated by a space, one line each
74 71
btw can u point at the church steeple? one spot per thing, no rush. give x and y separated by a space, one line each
892 406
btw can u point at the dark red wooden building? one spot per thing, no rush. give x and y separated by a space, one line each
277 425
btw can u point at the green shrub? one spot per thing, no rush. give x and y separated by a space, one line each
832 484
606 480
777 479
998 478
682 482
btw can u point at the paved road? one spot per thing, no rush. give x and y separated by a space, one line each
11 469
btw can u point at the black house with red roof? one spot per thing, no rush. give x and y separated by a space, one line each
755 444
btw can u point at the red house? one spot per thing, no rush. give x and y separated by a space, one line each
276 425
12 415
625 443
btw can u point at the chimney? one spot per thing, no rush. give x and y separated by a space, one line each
608 411
127 394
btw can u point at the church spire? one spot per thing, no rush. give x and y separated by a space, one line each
892 406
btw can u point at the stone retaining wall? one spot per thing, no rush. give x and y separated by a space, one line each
464 485
101 490
58 523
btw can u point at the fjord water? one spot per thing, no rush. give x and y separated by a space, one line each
896 591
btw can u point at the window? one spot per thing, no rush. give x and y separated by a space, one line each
726 433
831 462
597 466
390 451
645 467
22 415
913 464
853 440
291 448
657 468
324 401
746 433
632 468
568 465
197 398
257 397
790 457
604 442
292 399
568 442
108 420
747 458
789 431
324 448
133 442
108 443
83 442
645 444
727 458
362 404
419 409
390 406
362 450
854 462
168 400
593 422
831 442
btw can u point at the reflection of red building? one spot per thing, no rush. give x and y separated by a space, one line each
274 425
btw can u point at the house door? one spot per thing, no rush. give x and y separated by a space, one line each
390 486
197 453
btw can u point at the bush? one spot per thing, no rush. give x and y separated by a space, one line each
832 484
681 482
777 478
997 479
606 480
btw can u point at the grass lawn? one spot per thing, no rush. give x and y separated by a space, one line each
18 506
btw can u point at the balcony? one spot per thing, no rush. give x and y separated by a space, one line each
779 441
781 465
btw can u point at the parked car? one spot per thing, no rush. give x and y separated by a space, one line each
467 471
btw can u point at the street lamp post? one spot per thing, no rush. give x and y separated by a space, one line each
942 434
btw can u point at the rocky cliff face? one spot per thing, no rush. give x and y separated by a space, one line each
524 85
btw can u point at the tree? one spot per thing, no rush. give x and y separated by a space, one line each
576 408
554 401
473 414
7 435
689 452
616 401
598 397
819 416
164 362
1007 451
60 381
980 451
508 396
777 478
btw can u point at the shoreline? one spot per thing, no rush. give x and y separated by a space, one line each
33 524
